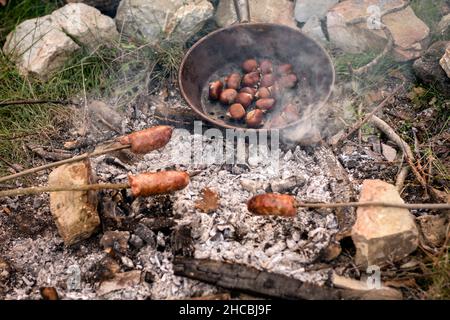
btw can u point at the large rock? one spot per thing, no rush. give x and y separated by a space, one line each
75 212
157 19
108 7
429 70
305 9
382 234
85 24
445 61
39 47
42 45
280 11
411 35
313 28
443 28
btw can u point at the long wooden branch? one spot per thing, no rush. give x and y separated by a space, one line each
359 124
409 157
247 279
18 102
65 161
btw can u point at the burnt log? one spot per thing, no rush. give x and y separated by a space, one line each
247 279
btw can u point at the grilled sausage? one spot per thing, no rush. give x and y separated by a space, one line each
148 140
273 204
163 182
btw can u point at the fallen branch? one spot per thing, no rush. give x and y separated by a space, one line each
17 102
359 124
409 156
247 279
401 177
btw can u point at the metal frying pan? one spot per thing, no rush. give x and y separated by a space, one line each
223 51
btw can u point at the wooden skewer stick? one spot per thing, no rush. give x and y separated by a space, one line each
58 163
120 186
84 187
431 206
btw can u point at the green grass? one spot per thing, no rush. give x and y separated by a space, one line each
17 11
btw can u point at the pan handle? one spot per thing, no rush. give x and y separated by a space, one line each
242 10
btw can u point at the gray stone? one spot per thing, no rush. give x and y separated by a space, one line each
305 9
429 70
102 112
388 152
382 234
39 47
445 61
42 45
443 28
280 11
411 35
287 185
313 28
85 24
158 19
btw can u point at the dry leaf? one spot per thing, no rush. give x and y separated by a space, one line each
209 201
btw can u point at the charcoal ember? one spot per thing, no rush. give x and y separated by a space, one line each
136 241
162 224
143 232
287 185
182 241
104 269
5 270
116 240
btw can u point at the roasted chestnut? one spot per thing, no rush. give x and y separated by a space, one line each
266 66
251 79
244 98
236 111
284 68
288 81
249 90
228 96
254 118
265 104
250 65
233 81
263 93
267 80
215 89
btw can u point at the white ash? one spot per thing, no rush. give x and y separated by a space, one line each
274 244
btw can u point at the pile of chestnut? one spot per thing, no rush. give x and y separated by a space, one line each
250 96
